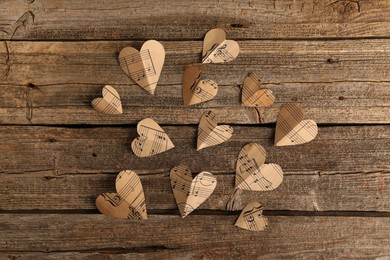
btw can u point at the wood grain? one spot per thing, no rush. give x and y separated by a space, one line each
46 20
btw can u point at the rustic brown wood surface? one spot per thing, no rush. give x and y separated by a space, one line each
57 154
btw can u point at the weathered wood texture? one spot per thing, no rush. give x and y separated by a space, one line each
64 20
212 236
336 82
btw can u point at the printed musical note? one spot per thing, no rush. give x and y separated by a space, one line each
152 140
217 49
110 103
209 133
191 193
291 129
251 218
253 174
252 93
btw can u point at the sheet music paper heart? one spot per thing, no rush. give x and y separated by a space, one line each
252 93
209 134
196 89
110 103
144 67
128 202
152 140
251 218
253 174
291 129
217 49
191 193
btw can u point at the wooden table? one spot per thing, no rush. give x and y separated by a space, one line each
57 154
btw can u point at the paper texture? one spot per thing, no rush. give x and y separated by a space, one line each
191 193
196 89
209 134
144 67
291 129
110 103
152 140
252 93
251 218
216 49
253 174
128 202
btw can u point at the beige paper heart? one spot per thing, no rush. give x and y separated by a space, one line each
291 129
191 193
110 103
217 49
128 202
152 140
209 134
251 218
252 93
195 89
253 174
144 67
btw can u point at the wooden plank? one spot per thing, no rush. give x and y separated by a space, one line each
46 20
212 236
336 82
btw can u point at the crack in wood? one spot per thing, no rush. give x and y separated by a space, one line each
7 59
25 20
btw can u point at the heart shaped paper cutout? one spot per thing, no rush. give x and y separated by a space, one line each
291 129
152 140
251 218
128 202
191 193
252 93
216 49
195 89
253 174
110 103
144 67
209 134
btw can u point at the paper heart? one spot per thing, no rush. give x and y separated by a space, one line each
209 134
253 174
217 49
252 93
291 129
144 67
110 103
128 202
196 89
152 140
191 193
251 218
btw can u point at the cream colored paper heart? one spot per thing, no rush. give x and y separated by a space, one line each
217 49
128 202
252 93
195 89
191 193
110 103
152 140
253 174
144 67
291 129
251 218
209 134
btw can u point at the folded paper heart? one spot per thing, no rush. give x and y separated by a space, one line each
253 174
209 134
252 93
152 140
251 218
196 89
144 67
217 49
128 202
291 129
191 193
110 103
